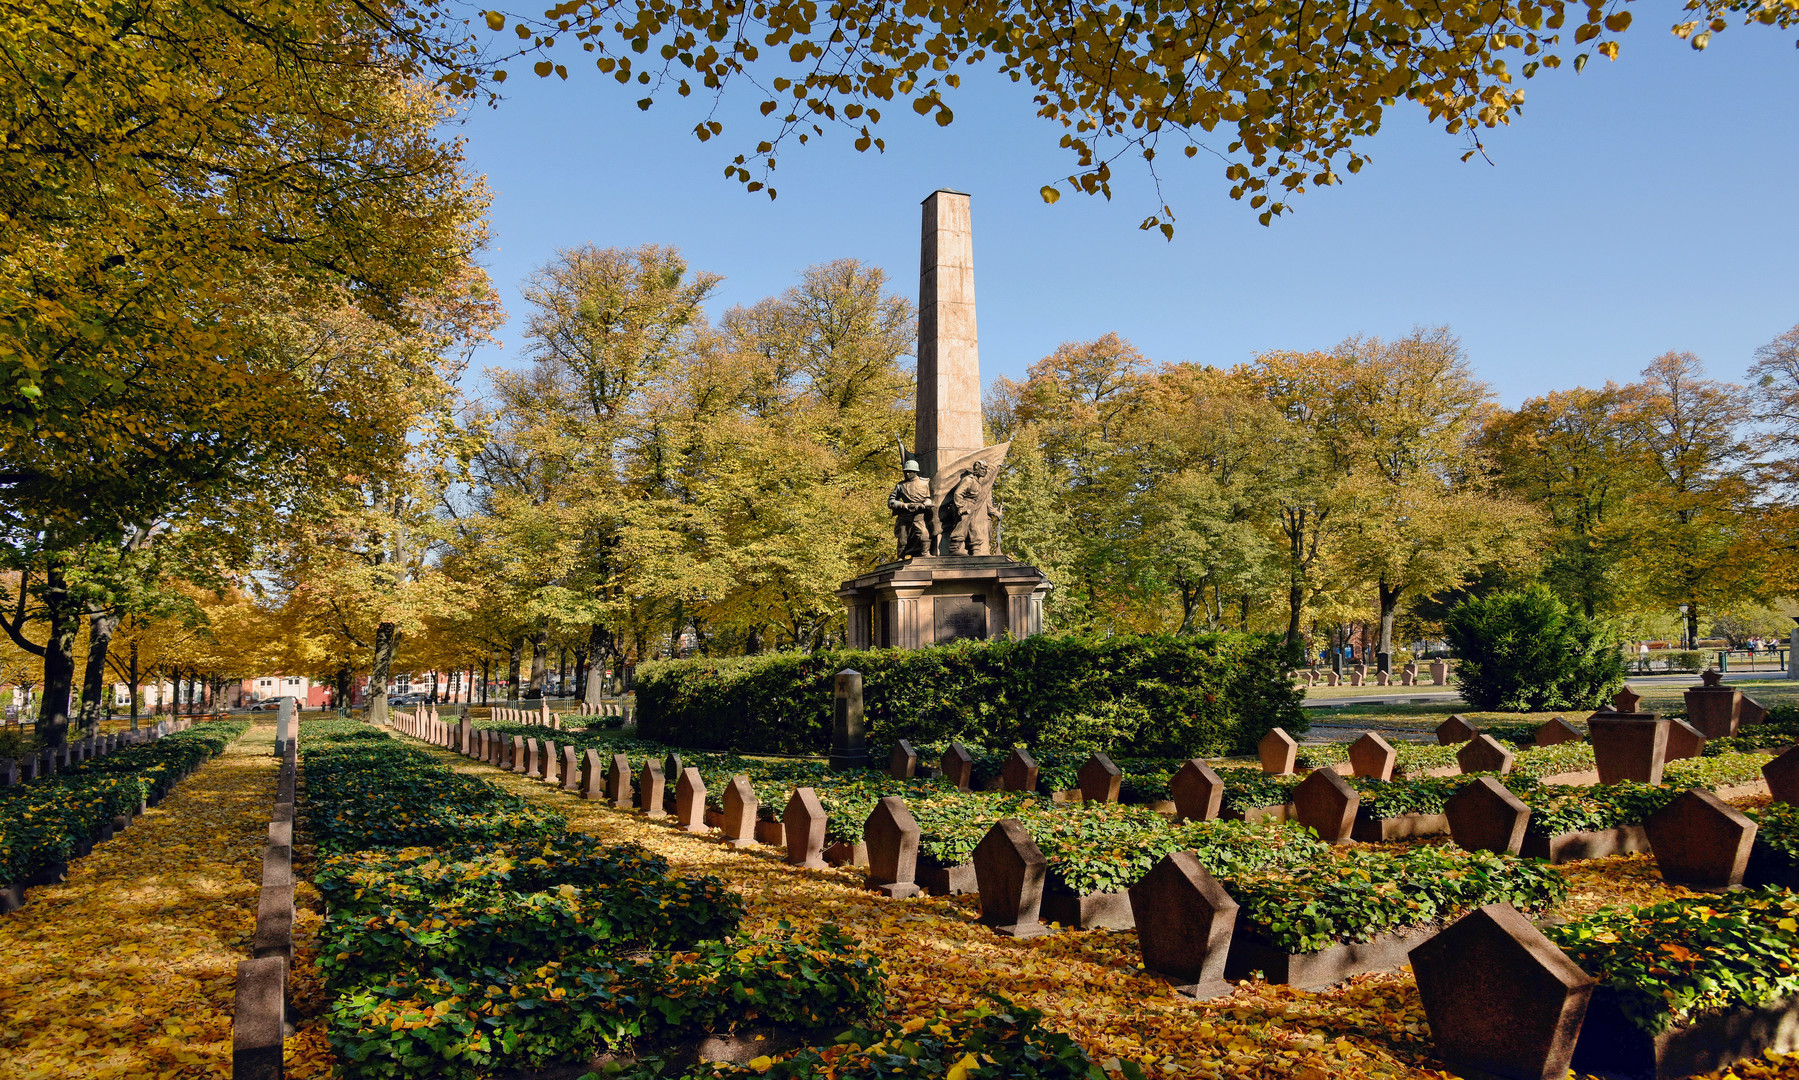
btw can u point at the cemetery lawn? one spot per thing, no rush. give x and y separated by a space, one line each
127 969
1089 983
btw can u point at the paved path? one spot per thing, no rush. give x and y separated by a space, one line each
127 968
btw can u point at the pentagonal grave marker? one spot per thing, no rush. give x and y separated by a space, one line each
593 776
1010 870
1019 772
958 765
690 801
1325 803
1484 754
1279 752
1684 740
1485 816
740 812
1501 999
1700 841
1184 924
902 763
1198 792
671 768
1556 732
891 835
1751 711
1782 775
649 788
1100 779
618 782
1373 757
1629 746
1455 730
804 825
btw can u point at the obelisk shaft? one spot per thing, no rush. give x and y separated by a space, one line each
949 363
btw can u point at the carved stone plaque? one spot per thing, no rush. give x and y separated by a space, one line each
961 617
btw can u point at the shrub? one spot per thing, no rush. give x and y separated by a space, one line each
1526 652
1164 695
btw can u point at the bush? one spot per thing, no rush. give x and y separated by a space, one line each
1161 695
1526 652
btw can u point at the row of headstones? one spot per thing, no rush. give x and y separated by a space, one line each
52 760
1358 676
604 708
259 1010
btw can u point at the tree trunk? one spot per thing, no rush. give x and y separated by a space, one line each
1693 627
344 688
132 671
1389 609
100 628
59 659
486 678
387 642
539 661
518 649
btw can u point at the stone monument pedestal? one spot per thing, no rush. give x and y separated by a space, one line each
933 599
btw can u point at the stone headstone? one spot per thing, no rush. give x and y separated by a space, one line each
618 782
1484 754
1782 775
902 764
671 768
1373 757
520 755
958 765
690 801
1439 673
533 760
649 789
1454 730
804 827
549 768
1356 676
1019 771
1625 700
1408 676
1332 678
1279 752
1684 740
1714 708
849 734
1198 792
1382 678
1184 921
593 776
1701 841
1100 779
1485 816
1501 999
1010 871
891 835
571 768
1325 803
1555 732
9 772
740 812
1629 746
1751 711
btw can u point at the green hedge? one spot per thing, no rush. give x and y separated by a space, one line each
1160 695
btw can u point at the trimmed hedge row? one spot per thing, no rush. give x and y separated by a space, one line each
1162 695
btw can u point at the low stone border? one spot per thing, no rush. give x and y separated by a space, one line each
1611 1045
1386 952
1092 911
259 1015
1369 829
1590 844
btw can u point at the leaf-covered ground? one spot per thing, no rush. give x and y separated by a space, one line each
127 968
1090 984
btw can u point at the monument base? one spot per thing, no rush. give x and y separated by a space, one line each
933 599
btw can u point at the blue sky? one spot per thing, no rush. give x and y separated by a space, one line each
1641 206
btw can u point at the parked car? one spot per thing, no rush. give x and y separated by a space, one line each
407 699
273 704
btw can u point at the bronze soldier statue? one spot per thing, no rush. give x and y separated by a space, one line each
914 517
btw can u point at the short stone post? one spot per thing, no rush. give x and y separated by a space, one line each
258 1019
1501 999
1485 816
740 812
284 725
1010 871
1278 751
1198 791
1325 803
1101 780
690 801
1185 920
1019 771
804 828
891 835
849 734
1372 757
649 788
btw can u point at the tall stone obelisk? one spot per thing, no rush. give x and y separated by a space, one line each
949 362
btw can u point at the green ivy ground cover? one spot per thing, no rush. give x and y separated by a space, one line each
45 821
1672 962
470 933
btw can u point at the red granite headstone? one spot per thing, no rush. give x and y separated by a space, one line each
649 788
593 776
1684 740
1483 754
1782 775
1373 757
1485 816
1700 841
1556 732
958 766
1100 779
1501 999
1198 792
1279 752
1184 924
1629 746
804 827
891 835
1325 803
902 764
740 812
690 801
1010 870
1019 771
1455 730
618 782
